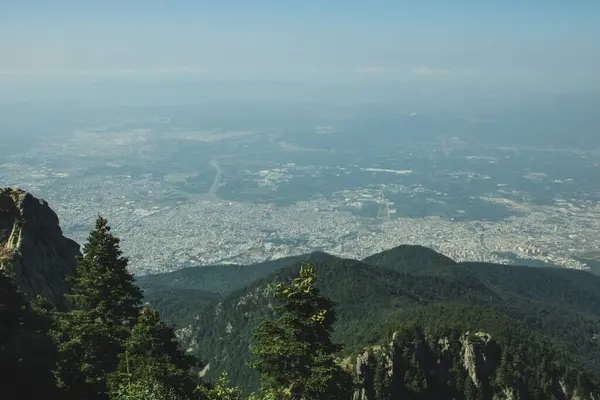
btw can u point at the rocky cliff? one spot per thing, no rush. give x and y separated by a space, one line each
457 365
33 249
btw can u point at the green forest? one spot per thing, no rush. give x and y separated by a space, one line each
407 323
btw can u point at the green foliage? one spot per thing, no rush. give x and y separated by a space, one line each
102 284
294 352
408 258
560 305
270 394
151 354
433 363
219 279
146 390
88 350
27 353
107 303
221 390
181 295
178 306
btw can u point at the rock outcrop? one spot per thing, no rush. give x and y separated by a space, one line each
459 365
33 249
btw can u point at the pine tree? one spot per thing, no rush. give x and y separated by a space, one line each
145 390
88 350
106 305
27 353
294 352
102 284
151 354
221 390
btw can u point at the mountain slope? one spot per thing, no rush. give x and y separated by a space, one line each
33 249
445 362
223 278
178 306
459 330
370 301
180 295
408 258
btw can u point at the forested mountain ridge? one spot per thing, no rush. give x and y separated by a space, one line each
451 363
408 258
224 278
405 323
557 304
179 295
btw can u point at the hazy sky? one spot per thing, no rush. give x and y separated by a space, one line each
523 42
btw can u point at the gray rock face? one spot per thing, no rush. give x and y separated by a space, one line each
33 249
365 372
419 367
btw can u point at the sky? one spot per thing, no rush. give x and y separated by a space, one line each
532 43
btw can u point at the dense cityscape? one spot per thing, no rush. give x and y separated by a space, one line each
159 235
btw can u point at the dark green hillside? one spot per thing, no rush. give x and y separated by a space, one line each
223 278
371 301
180 295
435 358
174 295
408 258
178 306
560 303
561 287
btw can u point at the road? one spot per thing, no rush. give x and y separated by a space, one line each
214 188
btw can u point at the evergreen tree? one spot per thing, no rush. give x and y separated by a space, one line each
27 353
221 390
294 352
470 389
151 354
88 350
106 305
146 390
102 284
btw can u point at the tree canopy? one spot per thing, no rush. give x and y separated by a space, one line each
294 352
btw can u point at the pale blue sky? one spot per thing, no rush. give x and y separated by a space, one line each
524 42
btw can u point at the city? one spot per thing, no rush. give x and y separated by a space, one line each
163 235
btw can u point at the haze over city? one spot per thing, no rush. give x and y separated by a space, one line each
547 46
307 200
387 122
